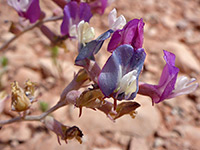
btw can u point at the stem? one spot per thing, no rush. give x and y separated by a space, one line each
76 83
34 118
6 44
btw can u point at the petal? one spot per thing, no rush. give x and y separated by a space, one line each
168 85
66 21
132 34
33 12
184 86
119 23
169 58
114 41
73 14
73 9
112 17
114 22
85 12
112 72
136 63
91 48
167 81
122 61
137 42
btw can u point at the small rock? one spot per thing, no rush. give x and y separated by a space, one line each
158 142
23 74
182 24
168 22
185 59
139 144
117 137
109 148
198 107
100 141
190 133
48 68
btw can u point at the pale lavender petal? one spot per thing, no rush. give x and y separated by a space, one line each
184 86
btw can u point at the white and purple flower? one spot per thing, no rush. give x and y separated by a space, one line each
169 85
29 9
119 76
74 13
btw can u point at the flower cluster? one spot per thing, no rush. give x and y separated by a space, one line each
118 79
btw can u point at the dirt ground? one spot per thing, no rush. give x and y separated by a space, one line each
174 124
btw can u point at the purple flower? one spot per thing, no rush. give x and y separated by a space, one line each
73 14
169 86
29 9
132 34
119 76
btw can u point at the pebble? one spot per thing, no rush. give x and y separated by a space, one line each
139 144
158 142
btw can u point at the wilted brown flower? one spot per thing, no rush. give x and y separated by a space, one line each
62 131
20 102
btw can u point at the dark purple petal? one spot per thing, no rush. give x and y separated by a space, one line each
66 20
91 48
122 61
85 12
33 12
73 9
167 81
132 34
73 14
114 41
